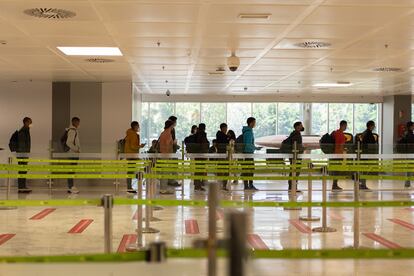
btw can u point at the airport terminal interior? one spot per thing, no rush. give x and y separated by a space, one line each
206 137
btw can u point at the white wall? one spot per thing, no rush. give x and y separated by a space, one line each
20 99
116 113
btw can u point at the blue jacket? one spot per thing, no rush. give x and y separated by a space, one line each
248 140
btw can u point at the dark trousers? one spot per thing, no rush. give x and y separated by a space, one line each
21 182
129 180
70 180
248 183
291 174
199 183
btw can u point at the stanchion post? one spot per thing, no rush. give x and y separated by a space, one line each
237 235
49 182
324 227
107 203
309 216
116 182
10 161
139 241
356 199
212 229
148 209
293 191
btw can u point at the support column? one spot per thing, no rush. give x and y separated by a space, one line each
396 111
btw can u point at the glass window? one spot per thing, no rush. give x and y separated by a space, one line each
339 112
144 123
237 114
287 115
159 113
363 114
188 114
213 114
266 117
319 118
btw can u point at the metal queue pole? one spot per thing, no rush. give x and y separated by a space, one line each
182 157
237 247
150 184
149 169
108 203
356 199
49 182
293 192
324 228
139 241
116 182
10 161
212 229
309 216
148 209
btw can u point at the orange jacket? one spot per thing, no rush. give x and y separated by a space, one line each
132 141
166 142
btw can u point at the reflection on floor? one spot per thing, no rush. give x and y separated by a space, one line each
72 230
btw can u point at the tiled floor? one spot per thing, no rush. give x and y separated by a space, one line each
44 231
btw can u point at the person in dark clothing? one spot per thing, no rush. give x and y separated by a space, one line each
23 148
213 148
295 136
231 135
190 140
201 146
369 145
249 148
408 141
222 138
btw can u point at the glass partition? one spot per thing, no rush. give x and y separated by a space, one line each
188 114
213 114
266 116
288 114
237 114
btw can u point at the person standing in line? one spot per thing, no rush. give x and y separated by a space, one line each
408 143
132 146
249 148
174 182
190 139
166 146
73 144
232 140
339 148
202 146
295 136
23 148
369 145
222 140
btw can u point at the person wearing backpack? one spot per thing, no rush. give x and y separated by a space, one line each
23 146
189 141
201 146
72 146
295 136
407 141
249 148
132 146
339 148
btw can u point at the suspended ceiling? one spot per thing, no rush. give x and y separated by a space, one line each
175 44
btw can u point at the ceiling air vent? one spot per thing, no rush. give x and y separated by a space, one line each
50 13
99 60
387 69
313 45
263 16
216 73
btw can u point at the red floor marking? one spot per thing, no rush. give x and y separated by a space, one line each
80 226
43 214
335 216
256 242
5 237
126 240
403 223
219 215
191 227
410 209
301 226
381 240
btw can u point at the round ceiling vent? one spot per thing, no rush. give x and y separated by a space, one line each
50 13
99 60
313 44
387 69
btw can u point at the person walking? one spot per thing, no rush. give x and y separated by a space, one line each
295 137
166 146
369 145
74 147
249 148
23 149
132 146
339 148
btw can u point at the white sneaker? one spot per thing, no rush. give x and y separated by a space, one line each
73 190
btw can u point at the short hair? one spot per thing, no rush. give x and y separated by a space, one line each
134 124
75 119
173 118
26 120
409 124
194 127
223 125
297 124
343 122
370 124
250 120
202 126
168 124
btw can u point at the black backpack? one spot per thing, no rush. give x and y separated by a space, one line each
239 144
14 141
120 145
64 139
327 143
286 146
190 142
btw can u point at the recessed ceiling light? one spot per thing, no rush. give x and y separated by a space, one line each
99 60
265 16
333 84
90 51
387 69
51 13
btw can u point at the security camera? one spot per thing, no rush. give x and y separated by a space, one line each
233 62
168 93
